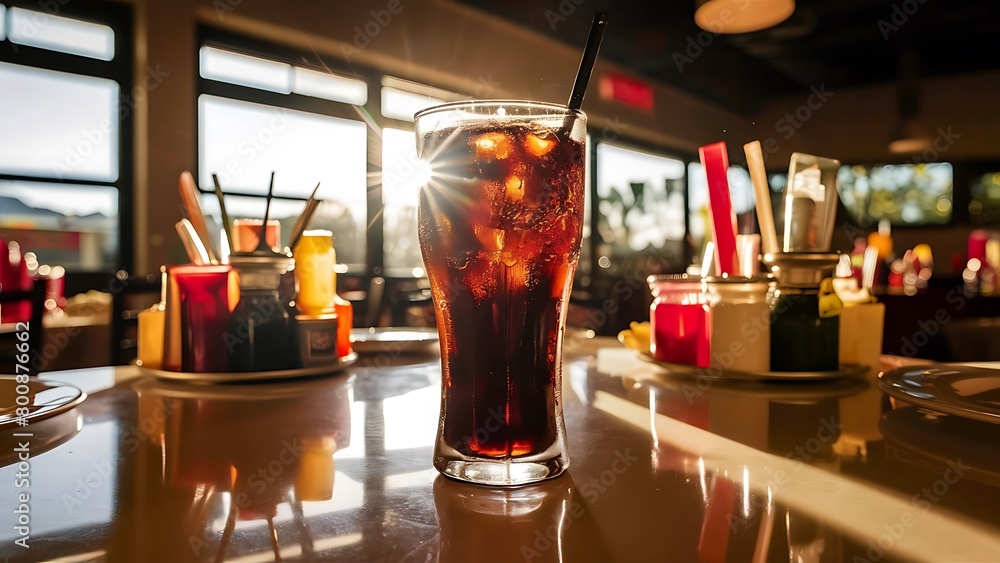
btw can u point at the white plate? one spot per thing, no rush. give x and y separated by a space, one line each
238 377
955 389
45 399
393 340
846 370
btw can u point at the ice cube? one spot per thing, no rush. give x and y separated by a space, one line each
530 246
493 190
491 239
559 278
518 275
539 143
481 278
514 188
494 144
460 260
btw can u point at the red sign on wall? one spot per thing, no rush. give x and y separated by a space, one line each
621 88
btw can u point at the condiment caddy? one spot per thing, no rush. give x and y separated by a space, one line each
254 313
785 324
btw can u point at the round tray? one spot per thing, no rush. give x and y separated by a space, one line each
795 392
955 389
846 370
46 399
241 377
393 340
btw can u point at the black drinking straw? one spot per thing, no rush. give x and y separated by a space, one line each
262 241
226 226
302 223
588 60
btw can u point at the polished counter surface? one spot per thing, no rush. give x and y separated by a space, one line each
339 469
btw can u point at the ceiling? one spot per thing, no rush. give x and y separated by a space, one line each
839 43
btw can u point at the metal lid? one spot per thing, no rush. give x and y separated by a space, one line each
802 269
259 271
737 287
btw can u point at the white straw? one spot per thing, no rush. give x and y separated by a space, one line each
762 193
708 260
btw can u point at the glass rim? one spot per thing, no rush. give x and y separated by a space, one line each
557 109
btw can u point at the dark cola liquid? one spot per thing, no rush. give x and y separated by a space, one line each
500 228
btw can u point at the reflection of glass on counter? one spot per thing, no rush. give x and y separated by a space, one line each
548 522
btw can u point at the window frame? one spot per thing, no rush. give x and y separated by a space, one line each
119 17
639 145
213 37
208 36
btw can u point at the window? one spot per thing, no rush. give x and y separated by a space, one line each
66 35
401 99
402 176
741 192
640 208
72 140
403 173
984 208
264 107
65 155
906 194
260 114
243 142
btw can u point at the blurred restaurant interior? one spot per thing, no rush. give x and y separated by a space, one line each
104 103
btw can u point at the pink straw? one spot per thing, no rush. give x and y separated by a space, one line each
715 160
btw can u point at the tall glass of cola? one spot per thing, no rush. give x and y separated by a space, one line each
500 223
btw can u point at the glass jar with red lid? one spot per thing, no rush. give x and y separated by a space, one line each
678 318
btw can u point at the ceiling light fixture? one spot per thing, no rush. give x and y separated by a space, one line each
909 135
741 16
